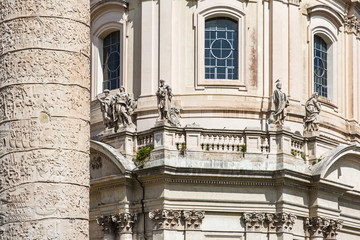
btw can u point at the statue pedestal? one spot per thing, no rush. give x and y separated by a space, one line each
123 140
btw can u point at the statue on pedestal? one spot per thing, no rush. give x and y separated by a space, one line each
281 102
168 113
117 109
313 108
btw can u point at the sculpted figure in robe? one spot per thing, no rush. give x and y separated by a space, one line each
167 111
312 108
281 102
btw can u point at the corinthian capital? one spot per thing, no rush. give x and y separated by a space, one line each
319 226
124 221
193 218
280 222
165 219
254 221
106 223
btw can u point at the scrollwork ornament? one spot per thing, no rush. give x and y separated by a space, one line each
165 219
193 218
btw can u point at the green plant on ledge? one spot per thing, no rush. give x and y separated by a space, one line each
302 154
243 148
142 154
182 149
294 153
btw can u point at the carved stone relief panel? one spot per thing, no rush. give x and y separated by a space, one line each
76 10
60 67
165 219
322 227
193 218
278 222
44 32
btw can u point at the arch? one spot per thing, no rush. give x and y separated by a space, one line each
337 154
328 13
118 159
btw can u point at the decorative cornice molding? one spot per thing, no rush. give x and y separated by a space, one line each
279 222
319 226
124 222
165 219
193 219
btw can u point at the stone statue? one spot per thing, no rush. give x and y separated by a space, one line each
313 108
281 101
117 109
106 108
167 111
123 109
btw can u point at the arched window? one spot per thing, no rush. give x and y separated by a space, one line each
320 66
221 48
111 61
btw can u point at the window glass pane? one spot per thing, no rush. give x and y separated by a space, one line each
221 48
111 61
320 66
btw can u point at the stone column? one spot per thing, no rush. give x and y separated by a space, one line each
281 225
193 220
322 228
44 119
124 225
255 228
108 227
166 222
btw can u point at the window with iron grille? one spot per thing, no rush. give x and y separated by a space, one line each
221 48
320 66
111 61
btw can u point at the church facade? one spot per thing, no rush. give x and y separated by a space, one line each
247 120
203 119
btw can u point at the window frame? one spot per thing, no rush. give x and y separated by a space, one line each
107 18
200 16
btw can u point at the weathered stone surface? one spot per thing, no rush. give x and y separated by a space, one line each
44 119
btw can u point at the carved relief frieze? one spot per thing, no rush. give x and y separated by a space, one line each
77 10
37 101
43 32
165 219
124 222
44 165
322 227
38 201
280 222
254 221
193 218
61 67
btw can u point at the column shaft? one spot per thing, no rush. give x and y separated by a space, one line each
44 119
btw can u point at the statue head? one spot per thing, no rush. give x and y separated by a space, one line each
162 82
106 91
122 89
278 84
315 95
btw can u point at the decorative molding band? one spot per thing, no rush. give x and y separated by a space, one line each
279 222
124 222
193 219
170 219
319 226
165 219
120 222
